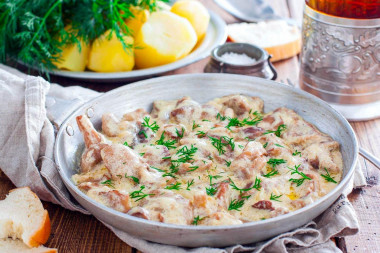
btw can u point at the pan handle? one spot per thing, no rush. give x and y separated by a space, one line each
58 109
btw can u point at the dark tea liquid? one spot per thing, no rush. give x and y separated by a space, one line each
359 9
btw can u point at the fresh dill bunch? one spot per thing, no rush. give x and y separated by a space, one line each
34 32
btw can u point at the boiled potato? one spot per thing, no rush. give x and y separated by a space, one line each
109 55
73 57
135 23
164 38
195 12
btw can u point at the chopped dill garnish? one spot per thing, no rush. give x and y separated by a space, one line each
295 153
135 179
241 146
200 134
126 144
169 143
180 135
274 162
278 145
193 168
265 145
298 181
211 191
141 154
328 178
257 184
189 183
275 197
196 220
251 122
154 127
176 186
278 131
185 154
271 173
195 125
236 205
234 122
206 120
109 183
233 185
220 143
219 116
166 157
139 195
160 170
228 163
142 132
211 177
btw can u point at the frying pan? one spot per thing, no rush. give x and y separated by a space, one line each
202 88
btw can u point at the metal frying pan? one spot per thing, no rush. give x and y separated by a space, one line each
202 88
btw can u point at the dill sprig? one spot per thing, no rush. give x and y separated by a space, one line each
328 178
280 128
176 186
228 163
154 127
271 173
274 162
126 144
109 183
180 135
189 184
195 125
135 179
298 181
35 32
234 122
220 143
241 190
139 195
275 197
257 184
200 134
196 220
169 143
236 204
251 122
211 191
295 153
220 117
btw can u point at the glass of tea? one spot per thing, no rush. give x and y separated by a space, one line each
340 58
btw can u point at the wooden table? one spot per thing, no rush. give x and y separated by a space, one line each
75 232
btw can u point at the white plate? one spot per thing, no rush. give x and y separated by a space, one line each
215 36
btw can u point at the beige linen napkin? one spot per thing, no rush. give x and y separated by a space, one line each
26 156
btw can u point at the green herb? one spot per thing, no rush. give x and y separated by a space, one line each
271 173
219 116
278 131
275 197
228 163
328 178
185 155
274 162
211 177
265 145
211 191
278 145
297 153
142 132
236 205
154 127
233 185
196 220
108 183
241 146
298 181
257 184
247 138
206 120
234 122
160 170
139 195
220 143
135 179
166 157
200 134
180 135
189 183
251 122
176 186
126 144
169 143
142 154
193 168
195 125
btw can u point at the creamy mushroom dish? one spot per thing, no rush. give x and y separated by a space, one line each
221 163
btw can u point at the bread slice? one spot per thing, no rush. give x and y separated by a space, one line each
22 216
277 37
8 245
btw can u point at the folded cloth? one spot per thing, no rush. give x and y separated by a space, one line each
27 139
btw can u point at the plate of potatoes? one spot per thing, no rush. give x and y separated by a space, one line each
161 41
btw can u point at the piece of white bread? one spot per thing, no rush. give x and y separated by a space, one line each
277 37
8 245
22 216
